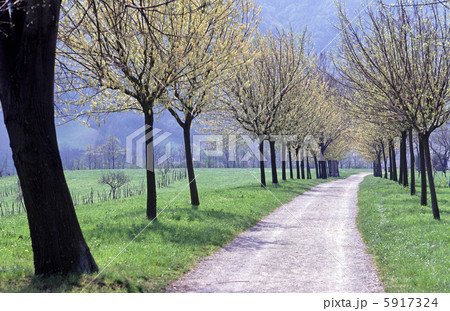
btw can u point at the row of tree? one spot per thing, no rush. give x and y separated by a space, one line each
395 65
206 58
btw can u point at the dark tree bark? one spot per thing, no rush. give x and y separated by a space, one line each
384 160
394 162
323 169
412 162
405 160
434 202
400 179
186 126
261 161
297 162
308 169
423 176
403 180
291 169
391 173
377 170
303 168
190 164
150 163
27 61
316 165
283 161
273 161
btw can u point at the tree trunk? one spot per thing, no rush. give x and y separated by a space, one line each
150 163
377 169
423 176
291 169
405 160
391 165
394 163
384 160
412 160
308 169
323 169
297 162
27 61
434 202
273 162
316 165
261 162
403 180
303 168
400 179
190 165
283 161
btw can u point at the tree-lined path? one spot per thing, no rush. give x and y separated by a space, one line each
311 244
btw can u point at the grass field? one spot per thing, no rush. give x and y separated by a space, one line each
411 249
81 183
151 255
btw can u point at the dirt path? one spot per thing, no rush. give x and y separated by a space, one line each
308 245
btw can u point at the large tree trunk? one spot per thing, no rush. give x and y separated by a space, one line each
150 163
412 160
291 169
273 161
423 176
283 161
27 61
434 202
261 162
190 164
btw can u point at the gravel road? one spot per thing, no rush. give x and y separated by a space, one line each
309 245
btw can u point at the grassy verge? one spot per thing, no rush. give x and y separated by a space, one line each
151 255
410 248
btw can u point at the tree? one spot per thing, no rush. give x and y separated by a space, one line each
111 151
115 180
221 32
440 145
402 59
28 31
122 58
256 94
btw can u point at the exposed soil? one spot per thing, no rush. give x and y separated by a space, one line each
311 244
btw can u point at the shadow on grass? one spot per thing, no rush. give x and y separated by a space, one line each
52 284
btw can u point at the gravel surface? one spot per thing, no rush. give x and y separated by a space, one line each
311 244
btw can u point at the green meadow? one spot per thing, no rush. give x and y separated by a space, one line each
410 248
135 255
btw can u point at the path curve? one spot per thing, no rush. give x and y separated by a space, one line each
310 244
